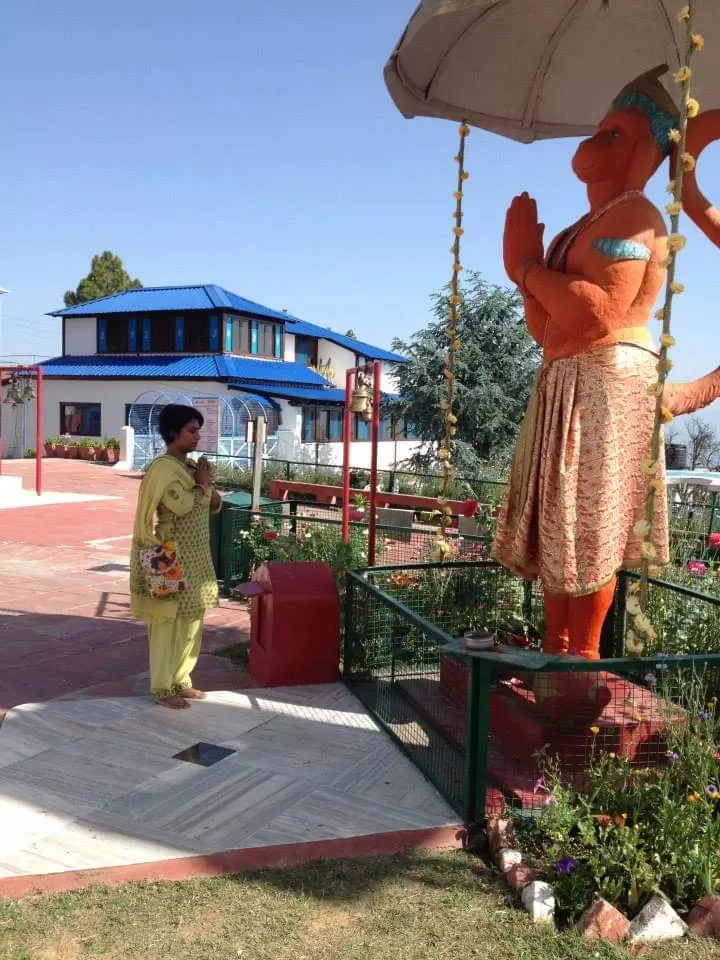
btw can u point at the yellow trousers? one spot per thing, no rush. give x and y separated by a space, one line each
174 651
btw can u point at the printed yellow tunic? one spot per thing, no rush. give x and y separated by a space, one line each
167 494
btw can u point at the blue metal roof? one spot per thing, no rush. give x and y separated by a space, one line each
250 370
327 395
154 299
302 329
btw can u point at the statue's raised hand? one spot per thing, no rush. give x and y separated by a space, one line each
523 237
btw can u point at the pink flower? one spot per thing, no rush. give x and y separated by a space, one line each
697 567
270 535
356 515
714 540
469 508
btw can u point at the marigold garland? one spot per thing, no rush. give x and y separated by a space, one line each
640 629
442 546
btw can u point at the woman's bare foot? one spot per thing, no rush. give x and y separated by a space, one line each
174 702
190 693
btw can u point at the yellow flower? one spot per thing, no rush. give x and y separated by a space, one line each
648 551
667 340
464 175
676 241
458 231
654 571
689 162
677 287
649 467
455 345
451 418
684 15
674 208
675 137
633 606
671 186
657 485
456 298
682 75
698 41
448 374
665 416
693 107
665 365
457 267
443 455
693 797
458 195
641 528
464 130
611 756
659 314
655 390
633 643
594 731
664 264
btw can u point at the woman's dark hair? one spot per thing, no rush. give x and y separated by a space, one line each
174 417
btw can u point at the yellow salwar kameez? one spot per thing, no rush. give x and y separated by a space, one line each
170 508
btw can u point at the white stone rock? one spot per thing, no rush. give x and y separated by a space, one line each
539 901
656 921
508 858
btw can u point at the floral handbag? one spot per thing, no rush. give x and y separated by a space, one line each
162 570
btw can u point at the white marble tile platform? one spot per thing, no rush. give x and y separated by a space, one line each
93 783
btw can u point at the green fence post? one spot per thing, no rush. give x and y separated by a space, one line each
713 508
288 470
527 600
293 517
347 640
477 732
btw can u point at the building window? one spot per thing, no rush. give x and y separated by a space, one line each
241 336
266 339
80 419
361 428
163 334
197 334
322 425
116 337
306 351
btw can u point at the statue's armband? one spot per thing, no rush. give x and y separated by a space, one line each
617 250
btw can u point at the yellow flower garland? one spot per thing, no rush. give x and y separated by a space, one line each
640 629
442 546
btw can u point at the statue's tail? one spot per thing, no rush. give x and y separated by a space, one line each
702 131
681 398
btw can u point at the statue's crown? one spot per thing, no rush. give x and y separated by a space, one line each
646 93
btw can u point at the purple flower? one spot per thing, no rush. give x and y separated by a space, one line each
538 786
672 756
703 715
650 679
712 791
566 866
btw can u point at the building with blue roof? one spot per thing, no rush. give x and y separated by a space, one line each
126 355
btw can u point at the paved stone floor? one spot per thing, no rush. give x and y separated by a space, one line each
97 783
89 772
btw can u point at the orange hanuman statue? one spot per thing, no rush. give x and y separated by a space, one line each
577 486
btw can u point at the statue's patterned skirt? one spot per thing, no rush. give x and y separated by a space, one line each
577 485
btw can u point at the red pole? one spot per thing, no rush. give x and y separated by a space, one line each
374 438
38 433
347 433
2 374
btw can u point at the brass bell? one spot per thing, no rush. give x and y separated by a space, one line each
360 402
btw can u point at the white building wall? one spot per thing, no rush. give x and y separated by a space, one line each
290 347
80 336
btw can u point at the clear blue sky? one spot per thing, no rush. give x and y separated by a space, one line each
253 145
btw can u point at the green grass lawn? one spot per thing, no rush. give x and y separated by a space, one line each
413 907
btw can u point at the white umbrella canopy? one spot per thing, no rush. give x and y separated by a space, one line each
534 69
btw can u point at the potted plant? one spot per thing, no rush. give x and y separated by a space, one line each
51 446
87 449
31 454
65 442
112 450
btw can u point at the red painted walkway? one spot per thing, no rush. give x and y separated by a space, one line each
64 620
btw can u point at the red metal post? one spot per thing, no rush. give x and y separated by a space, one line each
374 438
2 376
347 437
39 433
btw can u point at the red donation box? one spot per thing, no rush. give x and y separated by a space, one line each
294 624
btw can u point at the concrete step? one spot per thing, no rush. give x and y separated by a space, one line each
10 485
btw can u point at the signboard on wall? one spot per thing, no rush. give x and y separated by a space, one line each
209 407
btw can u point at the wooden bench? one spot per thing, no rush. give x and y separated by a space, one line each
326 493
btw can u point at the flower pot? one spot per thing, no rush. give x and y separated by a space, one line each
88 453
111 456
51 450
